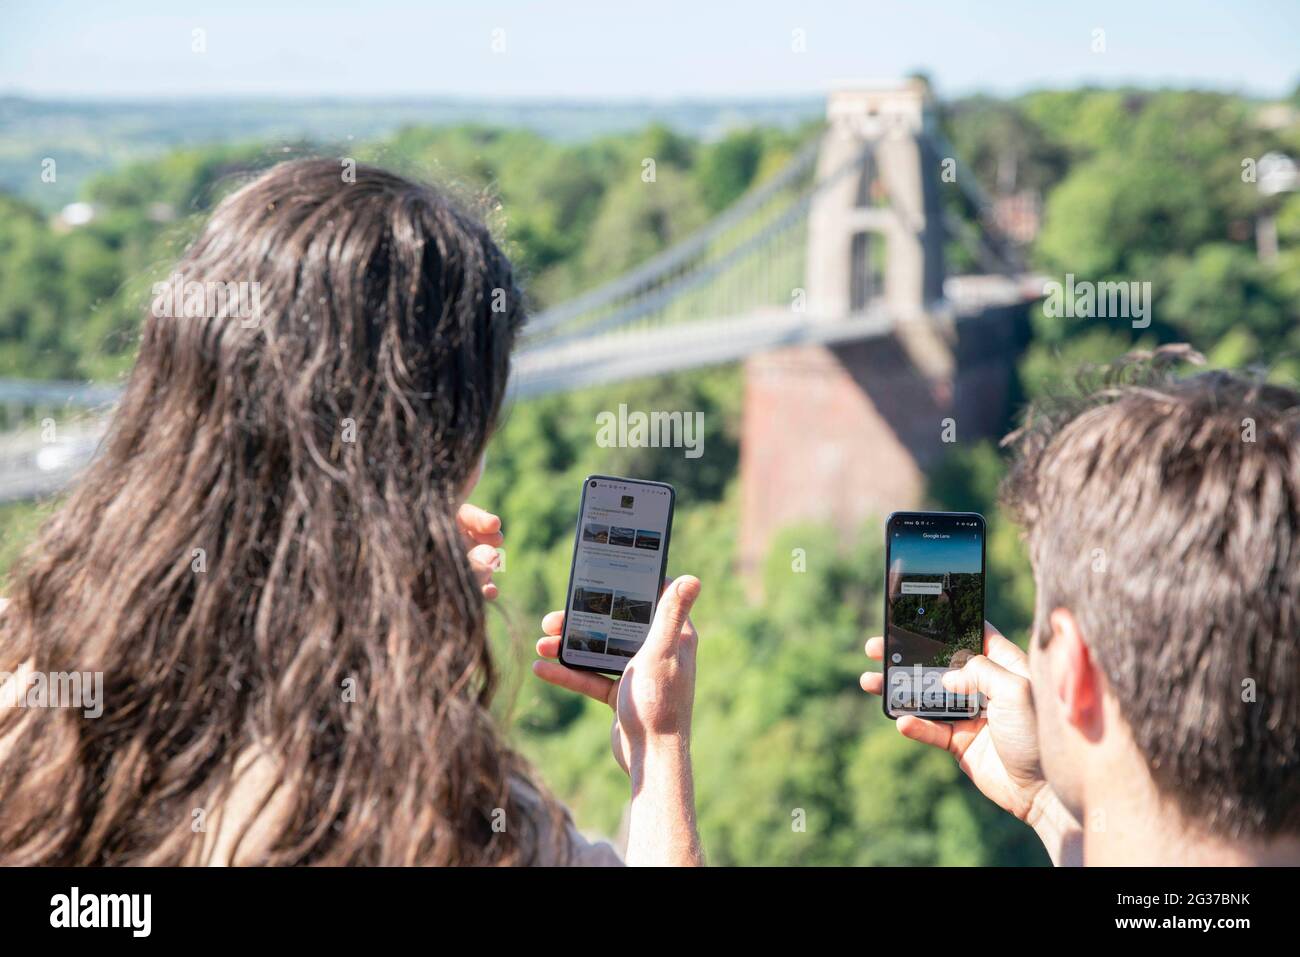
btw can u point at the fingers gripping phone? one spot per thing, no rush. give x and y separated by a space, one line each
620 555
934 611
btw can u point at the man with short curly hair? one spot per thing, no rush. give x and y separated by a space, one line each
1156 718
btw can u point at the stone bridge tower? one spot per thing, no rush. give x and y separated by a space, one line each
844 433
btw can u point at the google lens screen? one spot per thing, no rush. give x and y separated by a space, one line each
934 610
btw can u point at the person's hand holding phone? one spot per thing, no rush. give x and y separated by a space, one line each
998 750
654 699
653 702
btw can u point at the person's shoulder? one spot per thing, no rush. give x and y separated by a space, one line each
569 848
587 853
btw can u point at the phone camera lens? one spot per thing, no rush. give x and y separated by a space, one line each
593 483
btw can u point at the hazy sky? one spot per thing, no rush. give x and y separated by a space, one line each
914 555
622 49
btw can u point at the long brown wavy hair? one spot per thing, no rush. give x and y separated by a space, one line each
264 560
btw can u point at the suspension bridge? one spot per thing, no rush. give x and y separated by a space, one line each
843 248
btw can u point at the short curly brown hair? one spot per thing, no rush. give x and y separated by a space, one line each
1164 512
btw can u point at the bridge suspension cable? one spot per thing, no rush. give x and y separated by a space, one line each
749 257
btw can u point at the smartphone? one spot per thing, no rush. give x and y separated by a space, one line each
620 556
934 611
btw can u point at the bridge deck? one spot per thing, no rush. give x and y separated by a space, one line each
31 467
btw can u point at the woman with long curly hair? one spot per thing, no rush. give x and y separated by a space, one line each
271 563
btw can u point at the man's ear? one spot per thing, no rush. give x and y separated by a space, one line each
1075 680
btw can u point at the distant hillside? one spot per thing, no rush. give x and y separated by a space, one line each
86 137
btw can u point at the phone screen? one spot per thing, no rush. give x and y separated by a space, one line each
620 555
934 610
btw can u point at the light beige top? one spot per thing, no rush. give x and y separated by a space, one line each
255 778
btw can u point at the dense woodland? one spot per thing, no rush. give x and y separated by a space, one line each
1135 185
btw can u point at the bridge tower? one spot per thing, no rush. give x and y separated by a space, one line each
844 433
874 229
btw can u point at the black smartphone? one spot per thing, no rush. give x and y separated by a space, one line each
934 611
620 556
